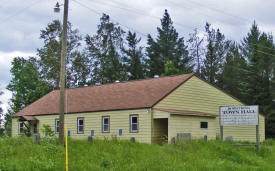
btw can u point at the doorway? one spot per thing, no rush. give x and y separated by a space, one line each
160 131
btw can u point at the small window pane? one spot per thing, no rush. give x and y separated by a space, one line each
204 125
134 127
80 122
80 128
106 120
106 128
134 119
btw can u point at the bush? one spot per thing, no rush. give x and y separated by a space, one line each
47 131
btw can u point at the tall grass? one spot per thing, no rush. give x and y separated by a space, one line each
21 154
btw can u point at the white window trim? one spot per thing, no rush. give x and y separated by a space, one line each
131 128
201 127
105 117
78 131
55 126
19 130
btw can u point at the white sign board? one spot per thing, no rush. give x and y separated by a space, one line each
239 115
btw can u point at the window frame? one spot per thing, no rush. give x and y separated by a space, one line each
35 130
203 122
77 124
102 124
55 126
130 123
19 127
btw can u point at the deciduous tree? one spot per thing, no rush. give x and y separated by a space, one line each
104 50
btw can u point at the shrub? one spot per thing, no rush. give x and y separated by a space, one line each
47 131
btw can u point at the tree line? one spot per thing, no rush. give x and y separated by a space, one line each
244 69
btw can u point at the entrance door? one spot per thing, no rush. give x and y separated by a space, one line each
160 132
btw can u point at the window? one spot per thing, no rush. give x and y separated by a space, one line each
21 127
133 123
34 128
204 125
56 126
80 125
105 124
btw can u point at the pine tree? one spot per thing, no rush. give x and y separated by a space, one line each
232 75
133 58
104 50
215 54
258 49
167 47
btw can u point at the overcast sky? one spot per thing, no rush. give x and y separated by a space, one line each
22 20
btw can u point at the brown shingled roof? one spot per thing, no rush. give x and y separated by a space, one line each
115 96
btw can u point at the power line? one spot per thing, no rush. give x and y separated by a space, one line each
94 11
218 10
178 5
19 12
139 12
98 13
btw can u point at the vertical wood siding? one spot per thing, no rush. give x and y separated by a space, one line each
198 95
93 121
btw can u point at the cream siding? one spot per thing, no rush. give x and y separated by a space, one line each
93 121
160 114
197 95
14 127
191 124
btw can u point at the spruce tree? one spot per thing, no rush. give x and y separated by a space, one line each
168 46
215 54
258 49
232 75
133 57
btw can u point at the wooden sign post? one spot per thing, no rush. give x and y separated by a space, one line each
240 115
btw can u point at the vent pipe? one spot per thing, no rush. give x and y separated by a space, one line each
156 76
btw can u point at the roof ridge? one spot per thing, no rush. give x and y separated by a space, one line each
145 79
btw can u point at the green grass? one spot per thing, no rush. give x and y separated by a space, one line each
21 154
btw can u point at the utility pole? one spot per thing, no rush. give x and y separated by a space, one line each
62 73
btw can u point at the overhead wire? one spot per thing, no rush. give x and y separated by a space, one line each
218 10
99 13
180 6
159 18
19 12
140 12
